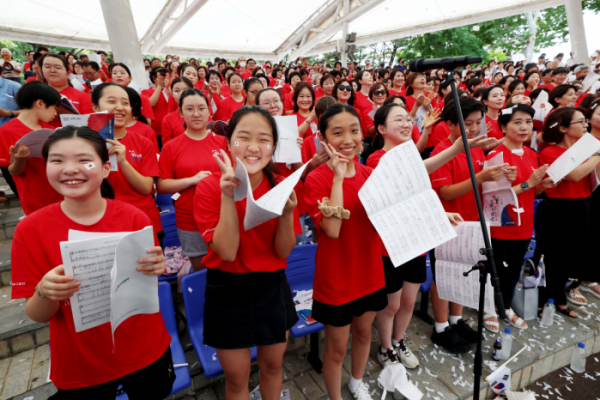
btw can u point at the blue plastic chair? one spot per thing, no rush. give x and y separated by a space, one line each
167 309
194 287
165 202
300 273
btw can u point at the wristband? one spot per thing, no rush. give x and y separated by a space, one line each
38 292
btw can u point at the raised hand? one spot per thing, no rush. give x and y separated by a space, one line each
339 163
118 148
228 180
537 176
478 141
432 118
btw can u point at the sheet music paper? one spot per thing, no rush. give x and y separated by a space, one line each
403 207
271 204
573 157
457 256
287 150
499 198
35 141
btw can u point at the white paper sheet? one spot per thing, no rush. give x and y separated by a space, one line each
96 83
573 157
540 105
458 256
287 150
498 196
135 87
90 257
132 292
97 58
403 207
372 113
78 78
482 129
78 85
589 80
420 116
35 141
271 204
318 146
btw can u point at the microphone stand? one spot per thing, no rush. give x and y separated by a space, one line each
484 267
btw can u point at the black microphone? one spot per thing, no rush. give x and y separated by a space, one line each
447 63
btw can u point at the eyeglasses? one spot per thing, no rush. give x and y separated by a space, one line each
583 122
379 92
274 103
192 111
345 88
403 121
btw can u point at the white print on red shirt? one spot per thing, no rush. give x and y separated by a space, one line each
135 157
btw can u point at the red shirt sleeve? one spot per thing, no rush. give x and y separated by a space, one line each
443 175
166 166
85 104
166 130
27 272
149 165
207 206
314 191
147 110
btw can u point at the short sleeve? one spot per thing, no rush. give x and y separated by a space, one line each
4 148
27 271
166 130
207 207
85 104
166 164
367 122
442 176
147 110
416 134
314 191
149 165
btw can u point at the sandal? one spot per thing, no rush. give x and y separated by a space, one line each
572 296
492 326
567 311
587 287
518 323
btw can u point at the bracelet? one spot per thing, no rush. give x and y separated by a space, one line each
307 121
330 211
38 292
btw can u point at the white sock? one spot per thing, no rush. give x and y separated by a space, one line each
354 383
440 327
454 319
395 342
382 350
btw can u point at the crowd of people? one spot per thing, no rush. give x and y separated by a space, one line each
162 144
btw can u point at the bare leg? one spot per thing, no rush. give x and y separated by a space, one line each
270 360
440 307
335 351
236 365
385 319
361 342
197 263
404 314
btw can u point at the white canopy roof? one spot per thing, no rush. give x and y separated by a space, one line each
265 29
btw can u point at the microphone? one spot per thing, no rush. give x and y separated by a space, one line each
447 63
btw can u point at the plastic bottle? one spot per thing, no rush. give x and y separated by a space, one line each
497 352
578 359
548 314
506 344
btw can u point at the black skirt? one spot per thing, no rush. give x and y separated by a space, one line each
247 310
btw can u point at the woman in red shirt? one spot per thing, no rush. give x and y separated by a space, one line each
159 99
121 75
344 92
246 268
234 102
563 96
136 122
562 221
532 80
133 181
38 103
309 147
364 79
349 284
415 93
288 100
184 162
493 98
189 71
202 78
326 89
56 73
88 364
377 94
172 125
304 108
511 239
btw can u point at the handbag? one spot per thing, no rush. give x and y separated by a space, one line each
526 295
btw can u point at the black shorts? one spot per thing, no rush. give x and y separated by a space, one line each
153 382
247 310
342 315
414 271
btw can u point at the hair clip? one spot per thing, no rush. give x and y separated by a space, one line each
594 106
553 125
506 111
236 143
89 166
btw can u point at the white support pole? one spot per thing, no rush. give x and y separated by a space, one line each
577 31
123 38
344 44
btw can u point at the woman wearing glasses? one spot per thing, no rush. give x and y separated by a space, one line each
56 73
344 92
184 162
377 94
251 87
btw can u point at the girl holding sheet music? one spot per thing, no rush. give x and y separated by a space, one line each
38 103
562 221
394 127
85 365
248 299
184 162
133 181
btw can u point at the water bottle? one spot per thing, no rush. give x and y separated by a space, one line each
548 314
506 344
578 359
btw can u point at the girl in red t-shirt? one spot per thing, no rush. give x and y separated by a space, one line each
288 99
309 148
184 162
349 283
172 125
494 99
532 80
121 75
234 102
137 166
327 84
562 221
511 240
136 122
396 85
251 87
246 268
38 103
304 108
87 364
159 98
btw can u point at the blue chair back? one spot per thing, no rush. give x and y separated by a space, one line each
427 284
300 270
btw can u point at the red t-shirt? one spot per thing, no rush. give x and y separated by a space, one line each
184 157
35 191
549 87
142 157
362 103
300 120
160 109
349 267
410 102
287 89
495 132
318 94
226 109
83 359
246 74
81 101
172 126
440 133
395 93
456 171
256 251
144 130
308 148
288 103
526 164
367 123
565 190
147 110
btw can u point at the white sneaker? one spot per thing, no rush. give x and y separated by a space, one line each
390 357
407 357
361 392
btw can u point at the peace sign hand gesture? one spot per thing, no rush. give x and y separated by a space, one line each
228 180
339 163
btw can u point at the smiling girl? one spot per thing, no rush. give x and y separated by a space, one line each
493 98
172 125
248 299
234 102
121 75
87 365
